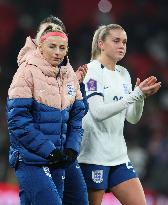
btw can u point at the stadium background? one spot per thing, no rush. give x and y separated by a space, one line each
145 22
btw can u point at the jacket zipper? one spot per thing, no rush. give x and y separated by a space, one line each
59 82
58 79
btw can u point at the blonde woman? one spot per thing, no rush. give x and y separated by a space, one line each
75 191
103 156
45 110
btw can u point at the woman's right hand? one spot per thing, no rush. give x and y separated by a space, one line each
149 86
81 72
55 157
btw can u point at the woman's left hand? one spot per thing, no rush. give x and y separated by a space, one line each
81 72
150 87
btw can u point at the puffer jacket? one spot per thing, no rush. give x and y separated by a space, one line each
44 108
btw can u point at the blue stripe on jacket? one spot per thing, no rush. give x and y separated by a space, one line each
36 129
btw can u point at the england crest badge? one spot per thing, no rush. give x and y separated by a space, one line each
97 176
70 89
126 88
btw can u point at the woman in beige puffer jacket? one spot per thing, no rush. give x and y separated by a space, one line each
45 111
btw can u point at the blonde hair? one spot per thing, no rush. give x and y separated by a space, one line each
95 49
45 28
100 34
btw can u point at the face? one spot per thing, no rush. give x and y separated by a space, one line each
114 46
54 49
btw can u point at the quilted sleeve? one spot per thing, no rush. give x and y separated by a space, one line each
20 119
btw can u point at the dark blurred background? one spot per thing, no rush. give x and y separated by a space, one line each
146 24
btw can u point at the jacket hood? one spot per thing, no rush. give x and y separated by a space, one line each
28 48
30 54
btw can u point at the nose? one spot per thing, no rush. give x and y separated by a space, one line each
57 51
122 45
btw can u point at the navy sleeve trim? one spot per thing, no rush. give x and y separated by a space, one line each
95 93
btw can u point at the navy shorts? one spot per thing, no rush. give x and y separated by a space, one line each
105 177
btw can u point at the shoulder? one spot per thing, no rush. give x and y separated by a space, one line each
94 66
123 71
21 84
94 71
93 79
23 75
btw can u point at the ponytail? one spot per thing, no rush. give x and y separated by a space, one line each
95 49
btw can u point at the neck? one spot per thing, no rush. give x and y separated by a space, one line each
107 62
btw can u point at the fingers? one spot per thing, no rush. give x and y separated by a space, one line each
148 82
144 83
138 81
81 72
150 90
152 80
82 75
84 69
79 75
151 87
155 88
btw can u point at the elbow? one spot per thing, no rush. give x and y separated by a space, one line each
97 112
98 119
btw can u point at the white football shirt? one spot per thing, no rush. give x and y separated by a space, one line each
103 141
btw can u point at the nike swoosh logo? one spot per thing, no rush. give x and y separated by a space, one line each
42 91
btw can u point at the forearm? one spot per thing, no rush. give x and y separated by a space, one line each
75 131
134 111
101 111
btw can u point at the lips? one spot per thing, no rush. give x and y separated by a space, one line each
56 59
121 52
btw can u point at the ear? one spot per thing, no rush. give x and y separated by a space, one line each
40 48
67 50
101 45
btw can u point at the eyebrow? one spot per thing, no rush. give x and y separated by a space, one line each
53 44
117 38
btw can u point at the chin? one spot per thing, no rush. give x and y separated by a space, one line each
120 58
55 63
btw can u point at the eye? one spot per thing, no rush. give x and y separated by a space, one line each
124 42
51 46
116 40
62 48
